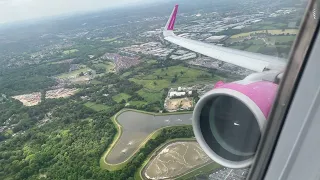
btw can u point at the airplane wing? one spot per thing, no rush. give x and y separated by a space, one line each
253 61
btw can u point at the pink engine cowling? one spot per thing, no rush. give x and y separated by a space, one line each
228 120
262 93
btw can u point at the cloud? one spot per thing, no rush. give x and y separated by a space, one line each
13 10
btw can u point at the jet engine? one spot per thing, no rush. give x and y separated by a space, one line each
228 121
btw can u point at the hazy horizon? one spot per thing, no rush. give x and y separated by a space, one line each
23 10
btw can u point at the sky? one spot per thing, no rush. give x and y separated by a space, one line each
17 10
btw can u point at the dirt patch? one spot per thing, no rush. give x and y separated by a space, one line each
175 159
60 93
29 99
183 103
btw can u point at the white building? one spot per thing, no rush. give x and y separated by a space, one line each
176 94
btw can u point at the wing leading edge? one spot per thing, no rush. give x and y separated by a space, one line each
253 61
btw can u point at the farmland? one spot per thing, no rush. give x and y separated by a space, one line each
96 107
70 51
272 32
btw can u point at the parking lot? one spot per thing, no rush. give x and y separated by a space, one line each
229 174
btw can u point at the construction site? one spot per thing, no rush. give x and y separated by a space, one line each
35 98
60 93
179 99
179 104
29 99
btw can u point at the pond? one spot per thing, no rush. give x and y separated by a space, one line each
136 127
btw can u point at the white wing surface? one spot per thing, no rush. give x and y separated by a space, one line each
253 61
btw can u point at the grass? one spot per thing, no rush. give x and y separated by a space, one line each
109 66
282 39
119 97
150 96
237 47
137 103
160 79
255 41
73 73
103 163
268 25
96 107
152 62
200 170
115 167
152 84
70 51
253 48
156 80
273 32
110 39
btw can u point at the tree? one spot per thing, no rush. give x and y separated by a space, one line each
174 80
43 96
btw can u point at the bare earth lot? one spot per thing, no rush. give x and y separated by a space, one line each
182 103
175 159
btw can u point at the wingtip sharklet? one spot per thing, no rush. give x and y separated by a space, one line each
172 19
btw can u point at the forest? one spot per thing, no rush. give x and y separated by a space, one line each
29 78
71 145
64 139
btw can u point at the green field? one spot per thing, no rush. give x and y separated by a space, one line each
109 66
160 79
282 39
150 96
74 73
152 84
255 41
96 107
137 103
152 62
268 25
253 48
110 39
156 80
237 47
273 32
70 51
119 97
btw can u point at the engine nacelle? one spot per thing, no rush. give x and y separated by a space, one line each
228 121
